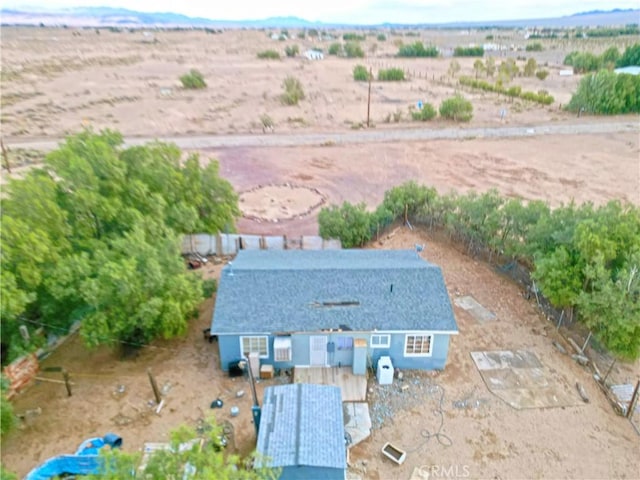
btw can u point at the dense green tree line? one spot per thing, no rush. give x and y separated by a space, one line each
584 258
584 62
468 51
94 236
607 93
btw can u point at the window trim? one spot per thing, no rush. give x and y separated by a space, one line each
266 341
422 335
387 344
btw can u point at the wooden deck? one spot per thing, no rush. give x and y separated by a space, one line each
353 387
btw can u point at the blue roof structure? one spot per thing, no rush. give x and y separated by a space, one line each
302 425
266 291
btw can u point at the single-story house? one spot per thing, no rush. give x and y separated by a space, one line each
302 432
333 308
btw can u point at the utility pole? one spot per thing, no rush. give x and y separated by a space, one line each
369 97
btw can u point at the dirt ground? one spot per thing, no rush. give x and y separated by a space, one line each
55 81
491 440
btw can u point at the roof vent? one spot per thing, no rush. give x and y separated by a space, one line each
230 265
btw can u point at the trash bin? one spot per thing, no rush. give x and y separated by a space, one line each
385 371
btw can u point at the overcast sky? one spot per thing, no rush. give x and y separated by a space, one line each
353 11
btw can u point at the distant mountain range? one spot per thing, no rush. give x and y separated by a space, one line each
107 16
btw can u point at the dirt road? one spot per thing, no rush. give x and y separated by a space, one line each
364 136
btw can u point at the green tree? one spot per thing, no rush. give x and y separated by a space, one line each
610 56
631 56
189 455
7 417
97 240
350 223
607 93
6 474
610 308
456 108
417 49
534 47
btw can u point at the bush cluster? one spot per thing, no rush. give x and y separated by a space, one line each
292 50
269 55
335 49
583 258
293 91
534 47
541 97
193 80
426 113
353 37
456 108
353 50
360 73
607 93
417 49
391 75
584 62
468 51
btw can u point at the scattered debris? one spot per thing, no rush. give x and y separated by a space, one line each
581 359
582 392
217 403
394 453
159 409
559 347
240 393
235 411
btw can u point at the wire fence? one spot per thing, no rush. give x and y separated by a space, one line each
223 244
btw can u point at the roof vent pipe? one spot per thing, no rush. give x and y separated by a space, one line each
391 289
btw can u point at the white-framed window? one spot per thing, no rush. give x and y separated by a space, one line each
417 345
380 341
257 344
282 349
344 343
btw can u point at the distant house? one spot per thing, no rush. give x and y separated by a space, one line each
333 308
314 55
302 432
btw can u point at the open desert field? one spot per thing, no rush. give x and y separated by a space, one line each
57 81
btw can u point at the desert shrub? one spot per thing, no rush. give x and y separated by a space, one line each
291 50
468 51
456 108
417 49
534 47
631 56
607 93
427 112
542 74
583 62
542 96
269 55
301 34
193 80
381 37
530 67
610 56
335 49
391 75
360 73
353 50
353 37
350 223
293 91
489 37
312 32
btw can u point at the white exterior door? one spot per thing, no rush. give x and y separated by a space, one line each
318 351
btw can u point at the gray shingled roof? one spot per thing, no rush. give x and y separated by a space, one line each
266 291
302 425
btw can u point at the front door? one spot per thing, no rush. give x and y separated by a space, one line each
318 351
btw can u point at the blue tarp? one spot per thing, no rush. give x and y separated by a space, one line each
86 460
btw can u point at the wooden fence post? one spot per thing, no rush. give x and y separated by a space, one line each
154 386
